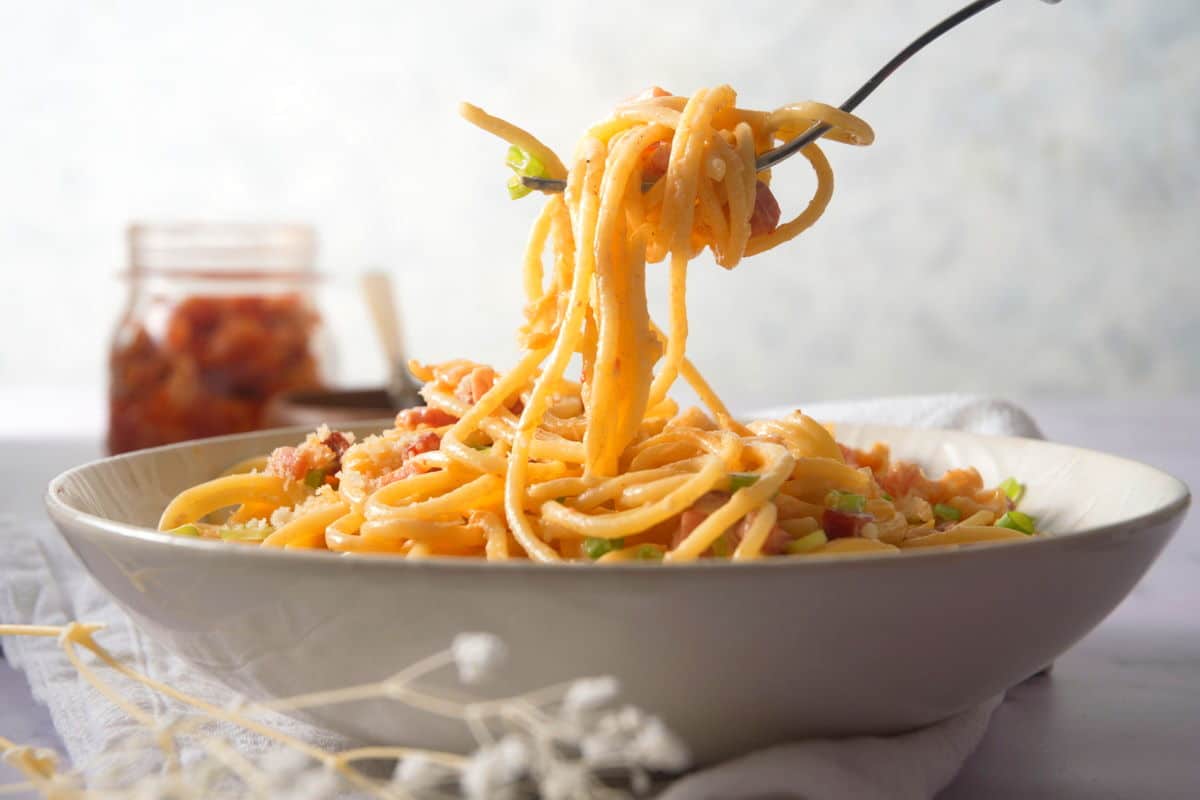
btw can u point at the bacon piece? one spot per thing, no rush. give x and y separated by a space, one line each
655 160
904 477
475 384
688 522
901 478
422 443
295 463
775 543
413 418
400 473
766 214
843 524
337 442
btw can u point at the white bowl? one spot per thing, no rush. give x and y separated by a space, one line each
733 656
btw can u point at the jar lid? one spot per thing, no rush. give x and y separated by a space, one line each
226 250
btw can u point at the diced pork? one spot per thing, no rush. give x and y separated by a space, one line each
843 524
322 450
475 384
765 218
423 416
422 442
655 160
775 543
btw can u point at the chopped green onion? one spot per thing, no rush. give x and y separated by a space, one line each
245 534
648 552
525 165
847 502
947 513
185 530
481 446
721 547
523 162
314 478
1013 488
562 499
594 546
1016 521
740 480
808 543
517 189
887 497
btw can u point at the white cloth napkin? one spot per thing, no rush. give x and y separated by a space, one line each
962 412
41 582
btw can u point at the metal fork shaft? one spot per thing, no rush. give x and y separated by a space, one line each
772 157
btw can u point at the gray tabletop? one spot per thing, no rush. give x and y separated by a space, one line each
1119 715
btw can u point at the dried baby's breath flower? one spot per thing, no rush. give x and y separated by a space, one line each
477 656
656 748
316 784
589 694
631 737
558 744
565 781
417 773
494 770
284 764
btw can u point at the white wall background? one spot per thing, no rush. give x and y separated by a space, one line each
1026 223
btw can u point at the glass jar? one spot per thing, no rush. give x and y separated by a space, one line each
220 320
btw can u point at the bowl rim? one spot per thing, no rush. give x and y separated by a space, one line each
59 510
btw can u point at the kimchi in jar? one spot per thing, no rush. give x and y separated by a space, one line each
219 321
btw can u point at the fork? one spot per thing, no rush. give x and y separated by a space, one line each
772 157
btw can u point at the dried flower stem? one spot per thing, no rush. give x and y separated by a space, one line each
532 726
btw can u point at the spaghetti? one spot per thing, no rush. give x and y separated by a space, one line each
533 464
